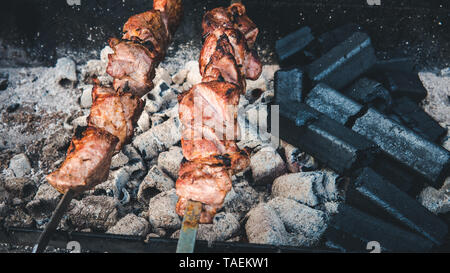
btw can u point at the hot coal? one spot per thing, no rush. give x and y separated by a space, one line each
344 63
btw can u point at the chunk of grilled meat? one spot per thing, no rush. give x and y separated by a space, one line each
115 111
208 111
230 41
87 161
232 17
131 66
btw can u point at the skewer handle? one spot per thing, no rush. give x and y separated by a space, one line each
45 236
188 233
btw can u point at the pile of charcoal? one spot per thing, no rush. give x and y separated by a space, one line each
362 118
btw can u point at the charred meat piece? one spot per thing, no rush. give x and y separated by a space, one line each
131 66
203 182
149 29
87 162
230 41
171 10
232 17
116 113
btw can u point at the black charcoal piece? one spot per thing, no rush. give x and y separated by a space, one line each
344 63
352 230
290 46
404 84
398 174
289 85
370 93
405 64
331 143
369 187
420 155
332 103
415 118
333 38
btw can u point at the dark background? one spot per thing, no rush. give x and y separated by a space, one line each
43 30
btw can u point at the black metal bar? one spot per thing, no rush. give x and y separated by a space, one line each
45 236
111 243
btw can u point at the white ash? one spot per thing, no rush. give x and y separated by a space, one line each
435 200
161 211
170 161
94 212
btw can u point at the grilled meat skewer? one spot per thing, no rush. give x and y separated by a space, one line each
115 110
208 111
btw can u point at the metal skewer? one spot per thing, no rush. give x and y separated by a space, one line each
189 227
46 235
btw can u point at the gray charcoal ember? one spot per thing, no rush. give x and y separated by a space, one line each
18 217
193 76
144 121
65 69
293 44
331 185
86 96
406 84
130 224
332 103
415 118
94 212
369 187
370 92
20 165
344 63
180 76
302 187
118 160
263 226
79 122
330 39
297 160
159 138
420 155
20 187
225 225
435 201
156 181
4 77
241 199
300 219
266 165
289 86
351 230
170 161
161 211
44 202
320 136
119 181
